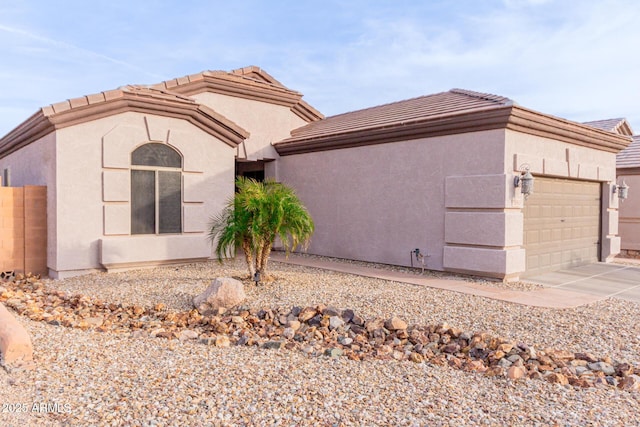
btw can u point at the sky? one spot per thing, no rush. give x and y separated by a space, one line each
577 60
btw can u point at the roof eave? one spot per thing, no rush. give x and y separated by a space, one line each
511 117
32 129
488 119
539 124
204 118
241 87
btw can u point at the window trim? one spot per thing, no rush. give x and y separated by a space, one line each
157 170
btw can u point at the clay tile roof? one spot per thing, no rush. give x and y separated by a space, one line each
453 102
249 82
146 99
619 126
630 156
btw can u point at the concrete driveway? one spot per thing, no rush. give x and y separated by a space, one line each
605 280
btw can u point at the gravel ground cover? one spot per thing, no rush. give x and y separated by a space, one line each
94 378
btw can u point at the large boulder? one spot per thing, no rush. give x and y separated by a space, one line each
15 344
224 292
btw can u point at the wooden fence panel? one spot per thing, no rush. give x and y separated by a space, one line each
23 230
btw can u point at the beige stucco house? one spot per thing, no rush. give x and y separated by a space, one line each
134 174
629 174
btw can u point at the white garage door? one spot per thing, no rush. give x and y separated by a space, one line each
561 224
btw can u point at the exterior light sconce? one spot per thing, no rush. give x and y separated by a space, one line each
622 190
524 181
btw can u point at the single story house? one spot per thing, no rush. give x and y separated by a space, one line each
628 163
134 174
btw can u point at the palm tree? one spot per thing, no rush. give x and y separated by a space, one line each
259 213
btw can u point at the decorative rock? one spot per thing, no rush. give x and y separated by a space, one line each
556 378
374 324
395 323
222 341
586 356
581 370
273 345
94 322
207 340
505 347
630 383
516 372
306 314
495 371
293 324
224 292
288 333
345 341
603 367
357 320
154 333
505 363
451 348
330 311
187 334
333 352
347 315
15 343
416 357
624 369
335 322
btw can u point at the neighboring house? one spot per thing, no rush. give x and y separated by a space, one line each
629 174
134 174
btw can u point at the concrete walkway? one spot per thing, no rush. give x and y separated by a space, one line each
545 297
605 280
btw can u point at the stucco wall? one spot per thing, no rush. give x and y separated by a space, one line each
379 202
93 214
266 122
35 164
548 157
629 227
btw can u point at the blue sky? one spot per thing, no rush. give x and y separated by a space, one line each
574 59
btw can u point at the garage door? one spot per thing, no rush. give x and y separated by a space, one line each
561 224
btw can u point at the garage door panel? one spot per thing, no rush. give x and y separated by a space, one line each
561 224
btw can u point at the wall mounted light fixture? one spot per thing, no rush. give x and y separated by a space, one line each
524 181
622 190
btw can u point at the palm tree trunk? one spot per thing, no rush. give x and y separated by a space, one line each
248 255
264 259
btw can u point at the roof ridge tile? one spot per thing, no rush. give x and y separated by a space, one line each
484 96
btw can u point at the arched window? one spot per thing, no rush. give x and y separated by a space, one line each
156 190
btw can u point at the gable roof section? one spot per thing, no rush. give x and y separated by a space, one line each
620 126
249 82
126 98
446 113
630 156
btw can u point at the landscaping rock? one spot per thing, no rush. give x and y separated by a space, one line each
603 367
224 292
335 322
395 323
187 334
222 341
630 383
516 373
15 344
